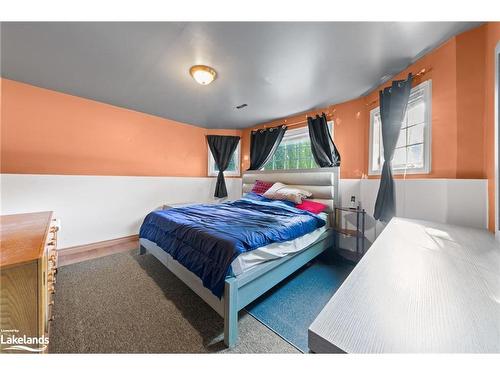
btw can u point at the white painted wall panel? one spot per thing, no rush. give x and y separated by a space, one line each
99 208
450 201
467 203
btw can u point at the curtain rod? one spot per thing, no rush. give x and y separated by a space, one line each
299 122
421 73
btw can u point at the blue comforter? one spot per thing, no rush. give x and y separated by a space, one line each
206 238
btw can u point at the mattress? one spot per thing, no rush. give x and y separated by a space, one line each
207 238
249 260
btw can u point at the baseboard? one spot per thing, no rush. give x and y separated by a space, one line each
81 253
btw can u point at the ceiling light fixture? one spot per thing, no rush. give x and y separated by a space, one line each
202 74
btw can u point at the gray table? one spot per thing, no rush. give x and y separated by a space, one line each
422 287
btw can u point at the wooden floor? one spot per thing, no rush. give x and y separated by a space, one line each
96 250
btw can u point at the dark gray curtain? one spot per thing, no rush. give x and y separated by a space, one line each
393 103
263 145
222 148
323 149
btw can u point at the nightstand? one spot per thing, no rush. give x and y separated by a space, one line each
358 233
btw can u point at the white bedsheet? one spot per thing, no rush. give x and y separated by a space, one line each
249 260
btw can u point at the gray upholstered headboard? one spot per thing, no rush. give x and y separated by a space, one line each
323 183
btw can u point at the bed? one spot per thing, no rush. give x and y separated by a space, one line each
252 273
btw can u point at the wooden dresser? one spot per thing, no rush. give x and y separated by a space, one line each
28 267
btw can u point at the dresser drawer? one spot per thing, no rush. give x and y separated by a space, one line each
49 265
28 267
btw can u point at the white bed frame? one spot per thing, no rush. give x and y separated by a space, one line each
241 290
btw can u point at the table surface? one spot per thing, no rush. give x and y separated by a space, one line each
349 209
22 237
422 287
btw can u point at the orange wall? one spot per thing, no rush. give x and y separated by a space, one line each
350 136
443 73
470 101
352 118
462 127
47 132
492 38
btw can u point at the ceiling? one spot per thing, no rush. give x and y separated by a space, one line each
277 68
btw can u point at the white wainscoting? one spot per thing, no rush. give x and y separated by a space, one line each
99 208
451 201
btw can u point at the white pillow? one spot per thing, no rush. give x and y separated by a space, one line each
288 193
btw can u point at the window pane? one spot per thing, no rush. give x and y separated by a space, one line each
416 134
416 156
279 158
399 159
404 124
376 156
402 138
294 152
376 164
416 113
232 164
411 145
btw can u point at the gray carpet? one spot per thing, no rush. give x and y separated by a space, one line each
127 303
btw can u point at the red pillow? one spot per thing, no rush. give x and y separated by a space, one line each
260 187
311 206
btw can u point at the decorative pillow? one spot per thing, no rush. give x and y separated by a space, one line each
260 187
311 206
285 192
260 198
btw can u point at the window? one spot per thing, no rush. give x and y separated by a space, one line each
294 151
412 153
233 168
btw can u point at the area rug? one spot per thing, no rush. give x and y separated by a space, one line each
130 303
289 308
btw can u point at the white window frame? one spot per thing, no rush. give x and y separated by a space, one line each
331 128
424 89
211 163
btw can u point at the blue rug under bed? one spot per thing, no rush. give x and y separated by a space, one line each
291 306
